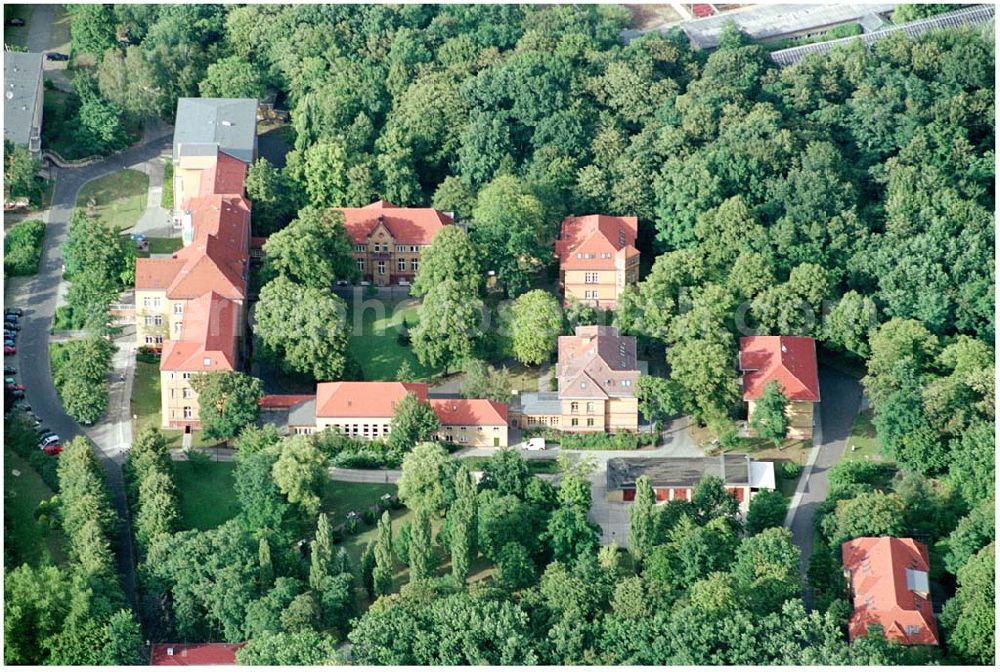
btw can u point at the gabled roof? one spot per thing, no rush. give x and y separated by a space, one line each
469 411
789 360
205 126
225 176
227 217
596 241
209 265
273 401
208 337
597 363
408 226
889 582
22 81
363 399
194 654
151 274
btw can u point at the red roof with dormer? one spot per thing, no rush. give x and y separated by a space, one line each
889 581
207 341
596 241
789 360
407 226
472 412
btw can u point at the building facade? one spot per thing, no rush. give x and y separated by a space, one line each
597 374
388 240
362 410
477 423
597 258
791 362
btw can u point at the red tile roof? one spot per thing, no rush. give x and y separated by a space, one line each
208 337
283 401
363 400
469 411
225 176
194 654
210 264
889 584
408 226
583 240
156 273
789 360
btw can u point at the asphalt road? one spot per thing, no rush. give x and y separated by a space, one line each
38 296
841 399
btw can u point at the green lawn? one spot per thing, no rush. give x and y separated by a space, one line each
16 36
146 408
167 200
864 440
377 348
205 491
164 245
28 540
120 197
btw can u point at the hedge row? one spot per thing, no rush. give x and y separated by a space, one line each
23 248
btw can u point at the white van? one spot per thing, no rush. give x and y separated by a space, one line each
536 443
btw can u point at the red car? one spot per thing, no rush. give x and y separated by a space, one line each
16 386
9 350
53 449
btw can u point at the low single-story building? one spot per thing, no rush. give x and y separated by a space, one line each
292 413
677 477
479 423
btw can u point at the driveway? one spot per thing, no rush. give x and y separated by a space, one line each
37 295
841 400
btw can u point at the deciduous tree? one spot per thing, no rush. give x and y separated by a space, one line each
227 402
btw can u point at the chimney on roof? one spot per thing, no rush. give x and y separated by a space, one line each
170 650
784 348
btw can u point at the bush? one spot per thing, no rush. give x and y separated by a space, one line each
20 436
789 470
619 440
147 355
23 248
368 516
352 523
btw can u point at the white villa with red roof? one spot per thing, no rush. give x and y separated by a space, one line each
388 240
597 258
791 362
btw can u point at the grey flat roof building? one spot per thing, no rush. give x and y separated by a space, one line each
772 22
684 472
204 126
22 105
538 403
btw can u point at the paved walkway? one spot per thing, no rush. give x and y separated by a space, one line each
155 221
37 295
841 395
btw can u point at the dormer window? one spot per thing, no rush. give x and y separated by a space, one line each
912 630
207 361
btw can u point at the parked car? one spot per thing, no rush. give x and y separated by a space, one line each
49 440
13 311
9 335
16 387
9 370
23 406
16 394
16 21
42 431
52 449
56 56
535 443
9 343
9 349
13 326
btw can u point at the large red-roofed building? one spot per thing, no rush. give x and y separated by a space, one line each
597 258
790 361
890 588
388 240
194 654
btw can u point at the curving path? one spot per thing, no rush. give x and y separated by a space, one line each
38 296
